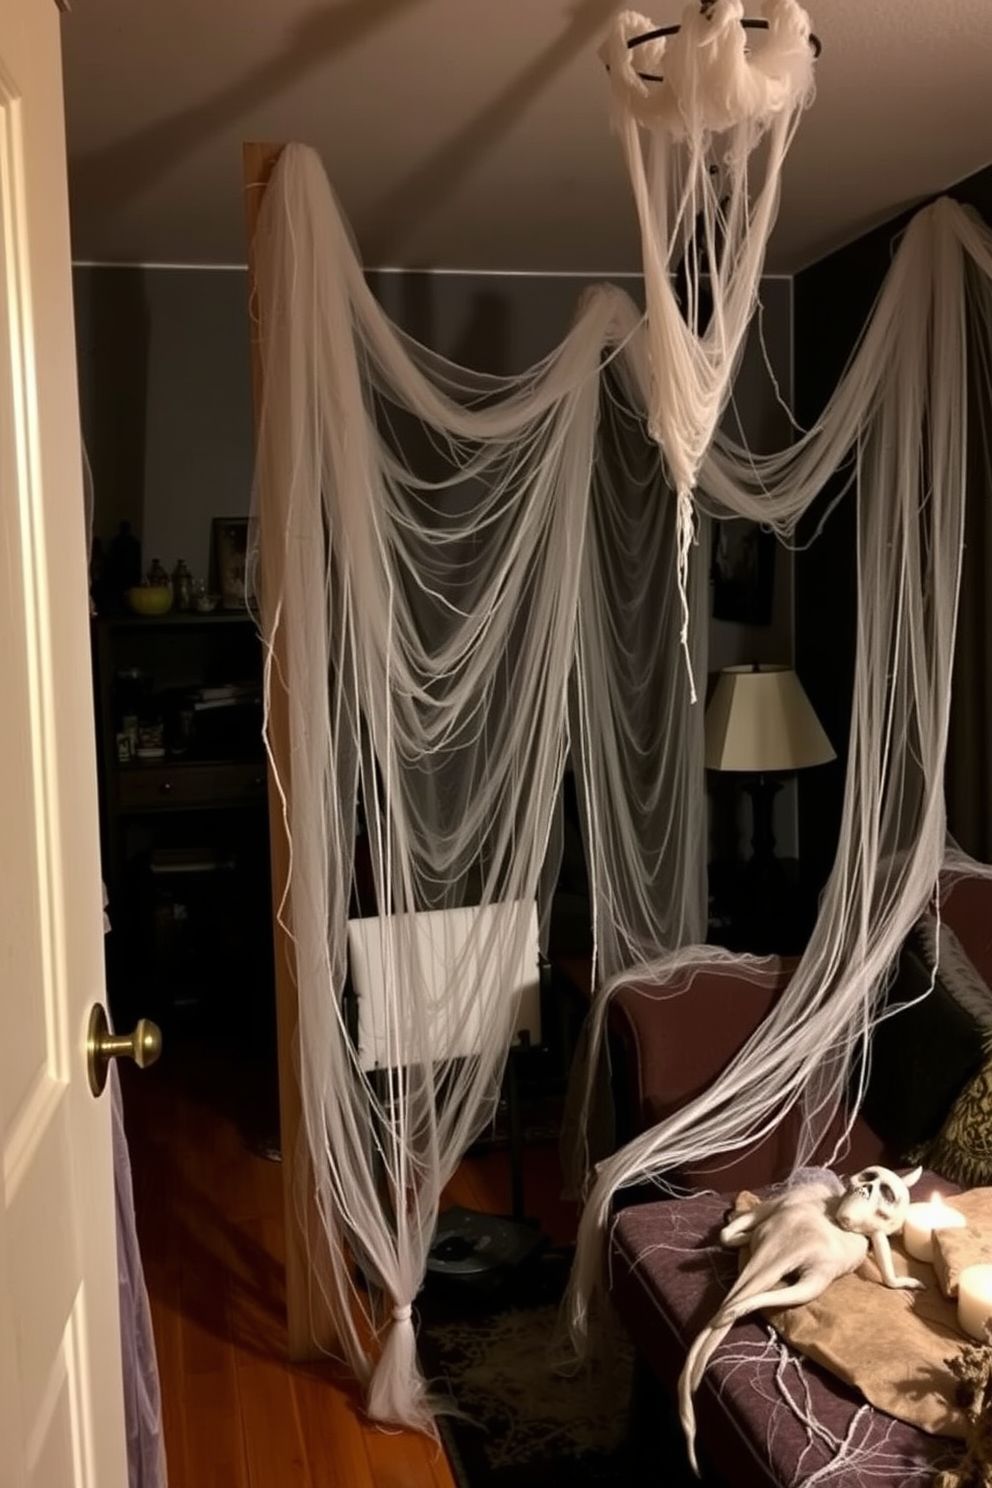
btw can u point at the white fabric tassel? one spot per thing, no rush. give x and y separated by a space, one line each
397 1394
426 625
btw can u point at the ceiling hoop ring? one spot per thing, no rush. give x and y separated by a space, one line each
747 23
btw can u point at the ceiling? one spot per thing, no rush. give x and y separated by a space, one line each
464 135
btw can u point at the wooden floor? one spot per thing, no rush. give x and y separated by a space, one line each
210 1223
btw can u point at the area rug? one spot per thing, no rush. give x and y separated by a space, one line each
522 1422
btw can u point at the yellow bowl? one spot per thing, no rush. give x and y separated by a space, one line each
150 599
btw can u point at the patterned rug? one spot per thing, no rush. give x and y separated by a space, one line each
522 1422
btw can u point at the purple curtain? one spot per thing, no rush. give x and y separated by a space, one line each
142 1394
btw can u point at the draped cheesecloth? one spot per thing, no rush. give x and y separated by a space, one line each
464 580
690 110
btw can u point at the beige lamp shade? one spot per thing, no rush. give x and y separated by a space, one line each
761 722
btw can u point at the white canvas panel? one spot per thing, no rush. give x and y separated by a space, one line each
463 959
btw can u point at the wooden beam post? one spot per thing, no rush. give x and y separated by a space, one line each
310 1329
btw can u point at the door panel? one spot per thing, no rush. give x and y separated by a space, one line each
61 1401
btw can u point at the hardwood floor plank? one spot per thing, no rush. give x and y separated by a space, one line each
274 1446
163 1290
206 1347
402 1459
215 1448
331 1424
208 1386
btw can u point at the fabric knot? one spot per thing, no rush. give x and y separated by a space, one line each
402 1314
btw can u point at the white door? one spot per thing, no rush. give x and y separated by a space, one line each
61 1404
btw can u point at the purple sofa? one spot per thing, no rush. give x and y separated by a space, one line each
666 1268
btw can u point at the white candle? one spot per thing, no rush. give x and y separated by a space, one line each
921 1221
975 1300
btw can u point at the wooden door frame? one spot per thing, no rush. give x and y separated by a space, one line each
311 1330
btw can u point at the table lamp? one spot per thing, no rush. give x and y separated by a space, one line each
761 725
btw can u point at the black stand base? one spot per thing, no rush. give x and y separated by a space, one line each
480 1249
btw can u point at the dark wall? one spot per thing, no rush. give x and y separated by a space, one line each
832 302
165 380
498 323
165 403
165 392
756 416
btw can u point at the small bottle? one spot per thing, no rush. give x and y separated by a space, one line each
182 586
123 566
157 576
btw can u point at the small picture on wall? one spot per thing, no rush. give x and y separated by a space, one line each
743 572
230 543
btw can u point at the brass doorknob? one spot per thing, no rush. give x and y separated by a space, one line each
144 1046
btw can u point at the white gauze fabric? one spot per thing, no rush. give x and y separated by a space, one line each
450 568
427 574
900 414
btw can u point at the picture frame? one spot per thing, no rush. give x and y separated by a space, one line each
230 549
742 572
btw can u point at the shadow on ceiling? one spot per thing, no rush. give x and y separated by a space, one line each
426 188
106 180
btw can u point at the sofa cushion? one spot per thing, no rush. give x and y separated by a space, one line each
929 1050
942 946
966 909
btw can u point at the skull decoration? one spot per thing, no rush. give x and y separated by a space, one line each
874 1201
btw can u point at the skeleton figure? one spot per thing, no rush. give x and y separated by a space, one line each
802 1238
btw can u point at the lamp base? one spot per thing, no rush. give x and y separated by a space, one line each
760 903
763 866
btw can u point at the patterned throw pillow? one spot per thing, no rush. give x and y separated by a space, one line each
962 1149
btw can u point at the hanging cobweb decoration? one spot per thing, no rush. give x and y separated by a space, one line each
692 105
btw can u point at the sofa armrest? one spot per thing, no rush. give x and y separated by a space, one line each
670 1043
